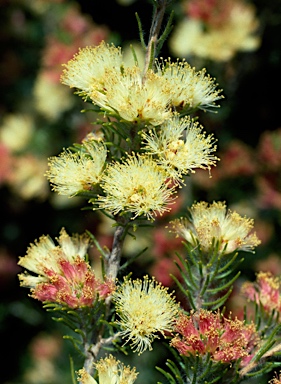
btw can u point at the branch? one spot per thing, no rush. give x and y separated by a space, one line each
113 260
153 34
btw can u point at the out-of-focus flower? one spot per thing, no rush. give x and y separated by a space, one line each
162 269
27 177
204 332
74 172
271 263
265 291
213 222
99 73
145 309
138 185
163 243
110 371
237 159
269 193
269 150
45 349
216 30
8 268
16 131
51 99
181 147
211 12
5 163
64 275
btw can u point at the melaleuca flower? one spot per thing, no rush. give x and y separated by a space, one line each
133 98
181 146
87 70
110 371
64 275
265 291
138 185
189 89
145 309
101 75
74 172
213 222
204 332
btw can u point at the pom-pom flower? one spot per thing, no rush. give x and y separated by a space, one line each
204 332
145 309
138 185
133 98
109 371
188 89
213 222
64 275
74 172
88 68
181 147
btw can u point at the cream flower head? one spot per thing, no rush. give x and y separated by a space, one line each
74 172
87 70
110 371
188 89
145 308
181 146
133 98
137 185
232 231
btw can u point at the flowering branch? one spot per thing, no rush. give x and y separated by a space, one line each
132 169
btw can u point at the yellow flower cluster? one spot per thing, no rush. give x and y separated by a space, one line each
159 146
100 75
213 222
